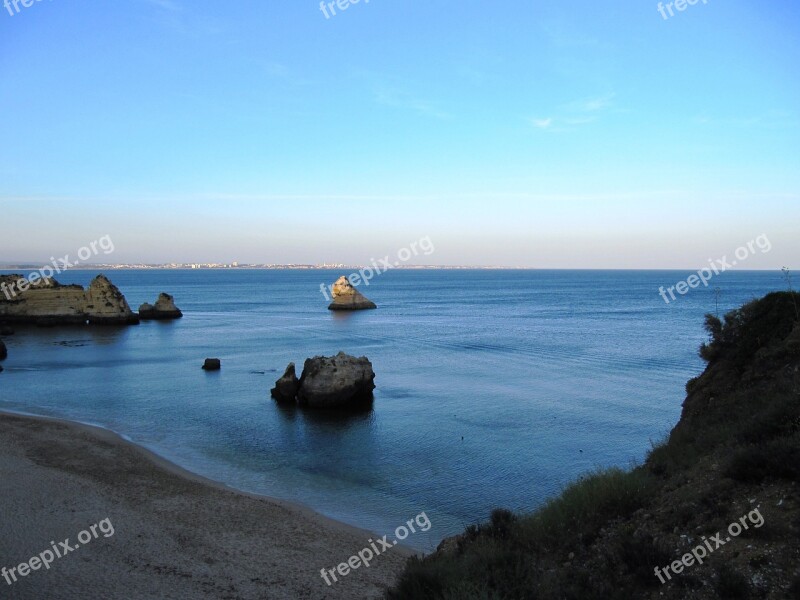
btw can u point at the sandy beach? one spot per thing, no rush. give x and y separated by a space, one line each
175 535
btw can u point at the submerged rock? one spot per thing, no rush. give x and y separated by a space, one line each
287 386
212 364
163 309
329 382
46 302
346 297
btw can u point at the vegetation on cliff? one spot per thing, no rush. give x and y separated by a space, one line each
735 449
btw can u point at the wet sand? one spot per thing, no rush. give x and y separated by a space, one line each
176 535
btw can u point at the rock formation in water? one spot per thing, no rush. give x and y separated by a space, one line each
212 364
163 309
105 304
329 382
287 386
47 302
346 297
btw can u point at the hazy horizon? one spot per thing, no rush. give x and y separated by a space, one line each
547 136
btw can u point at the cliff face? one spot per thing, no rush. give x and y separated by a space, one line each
47 302
714 512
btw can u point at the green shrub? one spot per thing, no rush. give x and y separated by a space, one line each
498 560
677 452
778 459
746 329
639 554
588 504
502 524
782 419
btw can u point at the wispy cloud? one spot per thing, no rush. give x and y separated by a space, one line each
542 123
591 105
397 98
397 92
574 114
281 74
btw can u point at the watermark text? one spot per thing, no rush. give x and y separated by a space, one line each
47 557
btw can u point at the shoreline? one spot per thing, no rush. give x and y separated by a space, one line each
70 464
110 436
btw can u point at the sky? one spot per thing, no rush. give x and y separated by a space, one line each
569 134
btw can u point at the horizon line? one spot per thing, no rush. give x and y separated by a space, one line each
314 267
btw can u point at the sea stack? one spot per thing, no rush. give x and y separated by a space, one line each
105 304
346 297
163 309
46 302
286 387
339 381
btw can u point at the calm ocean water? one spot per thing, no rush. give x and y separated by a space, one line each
494 388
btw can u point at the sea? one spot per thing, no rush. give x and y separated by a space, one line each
495 388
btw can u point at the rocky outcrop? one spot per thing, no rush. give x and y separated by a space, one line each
163 309
47 302
287 386
330 382
346 297
212 364
105 304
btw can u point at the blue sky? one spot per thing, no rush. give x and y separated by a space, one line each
556 134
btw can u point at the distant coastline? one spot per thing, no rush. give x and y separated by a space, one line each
325 267
245 267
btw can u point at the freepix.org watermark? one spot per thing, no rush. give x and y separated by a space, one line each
59 265
379 267
47 557
368 554
715 267
702 551
679 5
12 6
329 8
